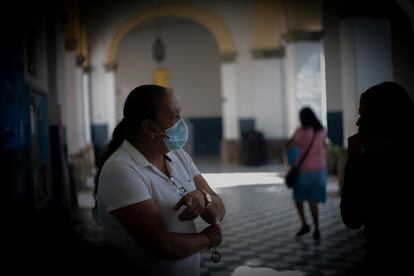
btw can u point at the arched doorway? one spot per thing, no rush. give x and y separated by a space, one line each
193 65
224 42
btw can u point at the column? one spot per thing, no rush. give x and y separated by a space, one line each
73 104
103 102
110 100
230 146
268 97
333 74
305 76
86 106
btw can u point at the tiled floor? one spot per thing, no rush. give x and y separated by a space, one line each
260 223
259 231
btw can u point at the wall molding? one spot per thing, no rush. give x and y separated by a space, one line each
268 53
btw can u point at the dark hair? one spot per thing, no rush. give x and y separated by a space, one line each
308 119
390 107
142 103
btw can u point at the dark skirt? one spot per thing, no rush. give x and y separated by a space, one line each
311 186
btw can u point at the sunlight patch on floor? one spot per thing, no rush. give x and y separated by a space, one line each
263 271
220 180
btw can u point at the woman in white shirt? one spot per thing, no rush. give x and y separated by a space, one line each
148 191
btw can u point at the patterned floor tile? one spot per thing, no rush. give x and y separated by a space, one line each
261 232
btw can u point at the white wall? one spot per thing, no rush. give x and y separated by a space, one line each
373 52
305 77
191 58
204 70
266 98
73 104
366 60
309 75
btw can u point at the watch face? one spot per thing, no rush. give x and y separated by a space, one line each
208 196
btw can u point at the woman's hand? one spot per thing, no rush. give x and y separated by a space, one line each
195 203
356 147
213 233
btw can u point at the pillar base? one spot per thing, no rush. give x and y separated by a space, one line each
230 151
82 166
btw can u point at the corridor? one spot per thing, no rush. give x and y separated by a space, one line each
260 224
239 74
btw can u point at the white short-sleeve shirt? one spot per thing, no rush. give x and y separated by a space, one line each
127 178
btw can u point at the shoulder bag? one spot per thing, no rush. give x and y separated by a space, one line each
292 175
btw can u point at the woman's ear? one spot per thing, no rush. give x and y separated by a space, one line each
150 128
147 126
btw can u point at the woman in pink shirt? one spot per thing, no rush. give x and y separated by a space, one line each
311 183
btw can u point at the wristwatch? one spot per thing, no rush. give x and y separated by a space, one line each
207 198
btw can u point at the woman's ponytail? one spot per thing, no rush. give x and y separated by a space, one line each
118 137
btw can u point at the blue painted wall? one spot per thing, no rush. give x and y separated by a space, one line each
14 102
15 191
99 139
208 132
246 124
207 135
335 128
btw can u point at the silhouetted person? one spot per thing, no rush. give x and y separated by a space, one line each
311 183
149 191
379 177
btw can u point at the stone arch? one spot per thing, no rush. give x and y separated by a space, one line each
185 11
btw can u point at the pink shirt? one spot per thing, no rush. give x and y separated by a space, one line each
315 160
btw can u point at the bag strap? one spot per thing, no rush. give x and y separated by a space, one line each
307 150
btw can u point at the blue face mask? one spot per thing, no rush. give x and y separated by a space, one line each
176 136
